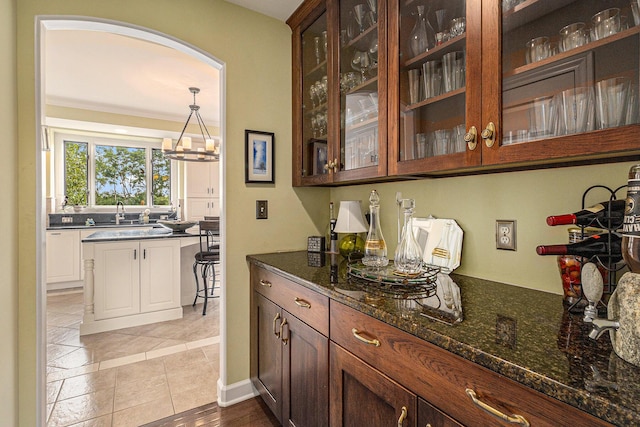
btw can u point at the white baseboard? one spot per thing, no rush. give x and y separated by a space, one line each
235 393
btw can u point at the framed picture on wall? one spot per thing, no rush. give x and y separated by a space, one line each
258 157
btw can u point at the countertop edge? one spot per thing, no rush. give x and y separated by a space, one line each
580 399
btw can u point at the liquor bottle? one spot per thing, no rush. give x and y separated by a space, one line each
631 224
595 245
375 248
331 236
596 215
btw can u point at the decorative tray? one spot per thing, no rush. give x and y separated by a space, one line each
390 277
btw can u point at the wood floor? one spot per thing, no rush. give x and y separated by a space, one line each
252 412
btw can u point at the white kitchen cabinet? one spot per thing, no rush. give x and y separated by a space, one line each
63 256
203 179
202 190
133 277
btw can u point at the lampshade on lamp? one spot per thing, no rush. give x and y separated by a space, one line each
351 221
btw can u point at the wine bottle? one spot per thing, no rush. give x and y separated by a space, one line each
331 236
594 245
599 215
631 226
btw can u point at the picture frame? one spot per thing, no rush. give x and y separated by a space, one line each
259 150
319 157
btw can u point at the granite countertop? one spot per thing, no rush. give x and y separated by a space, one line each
552 353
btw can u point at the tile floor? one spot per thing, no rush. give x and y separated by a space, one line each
131 376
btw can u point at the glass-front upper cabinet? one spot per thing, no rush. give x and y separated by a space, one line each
361 46
435 74
569 80
311 106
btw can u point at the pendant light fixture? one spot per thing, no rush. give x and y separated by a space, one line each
183 150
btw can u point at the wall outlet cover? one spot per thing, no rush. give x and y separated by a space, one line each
506 234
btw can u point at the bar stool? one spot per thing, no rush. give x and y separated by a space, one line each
206 260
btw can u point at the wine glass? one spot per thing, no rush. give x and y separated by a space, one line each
373 13
358 14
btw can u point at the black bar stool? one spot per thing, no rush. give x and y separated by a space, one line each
206 260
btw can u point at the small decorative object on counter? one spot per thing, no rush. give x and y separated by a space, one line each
592 287
331 236
375 248
606 214
631 225
351 222
570 270
408 256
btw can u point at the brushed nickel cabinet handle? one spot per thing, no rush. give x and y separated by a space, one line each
403 416
302 303
135 254
265 283
513 419
282 337
275 327
356 333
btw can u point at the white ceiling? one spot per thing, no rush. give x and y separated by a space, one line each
112 73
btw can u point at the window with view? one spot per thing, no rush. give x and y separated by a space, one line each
131 173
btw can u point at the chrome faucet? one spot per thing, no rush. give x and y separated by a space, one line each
602 325
119 216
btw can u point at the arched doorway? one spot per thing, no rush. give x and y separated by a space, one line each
47 24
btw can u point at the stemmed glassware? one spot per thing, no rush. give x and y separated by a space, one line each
373 11
359 15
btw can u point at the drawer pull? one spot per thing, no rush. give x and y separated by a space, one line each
403 416
514 419
356 333
265 283
284 340
302 303
275 327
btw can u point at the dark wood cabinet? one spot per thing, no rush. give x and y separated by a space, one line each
289 358
362 395
506 110
430 416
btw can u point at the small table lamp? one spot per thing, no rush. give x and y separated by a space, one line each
351 221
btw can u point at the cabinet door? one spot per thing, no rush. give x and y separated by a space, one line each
266 352
566 90
359 121
63 256
305 377
202 179
311 44
429 415
361 395
435 76
198 208
159 275
117 279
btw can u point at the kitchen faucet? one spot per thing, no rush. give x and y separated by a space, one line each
119 215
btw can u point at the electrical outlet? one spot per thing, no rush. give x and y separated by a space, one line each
506 234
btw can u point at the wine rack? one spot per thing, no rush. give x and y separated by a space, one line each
607 264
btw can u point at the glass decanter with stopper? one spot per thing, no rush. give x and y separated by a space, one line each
375 248
408 256
422 36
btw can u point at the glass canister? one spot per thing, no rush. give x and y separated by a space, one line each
570 270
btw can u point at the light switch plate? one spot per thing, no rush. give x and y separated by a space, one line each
262 209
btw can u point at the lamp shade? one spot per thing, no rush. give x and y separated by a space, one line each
350 218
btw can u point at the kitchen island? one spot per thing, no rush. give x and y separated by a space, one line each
515 349
133 277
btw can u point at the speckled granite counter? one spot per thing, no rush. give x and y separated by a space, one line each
552 355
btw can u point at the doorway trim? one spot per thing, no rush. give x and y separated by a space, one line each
46 23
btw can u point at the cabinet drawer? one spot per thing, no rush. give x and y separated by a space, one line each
442 378
306 304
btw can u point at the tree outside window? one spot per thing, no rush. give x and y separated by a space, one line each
120 174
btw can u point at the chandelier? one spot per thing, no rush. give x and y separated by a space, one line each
183 150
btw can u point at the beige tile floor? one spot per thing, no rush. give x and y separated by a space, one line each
130 376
